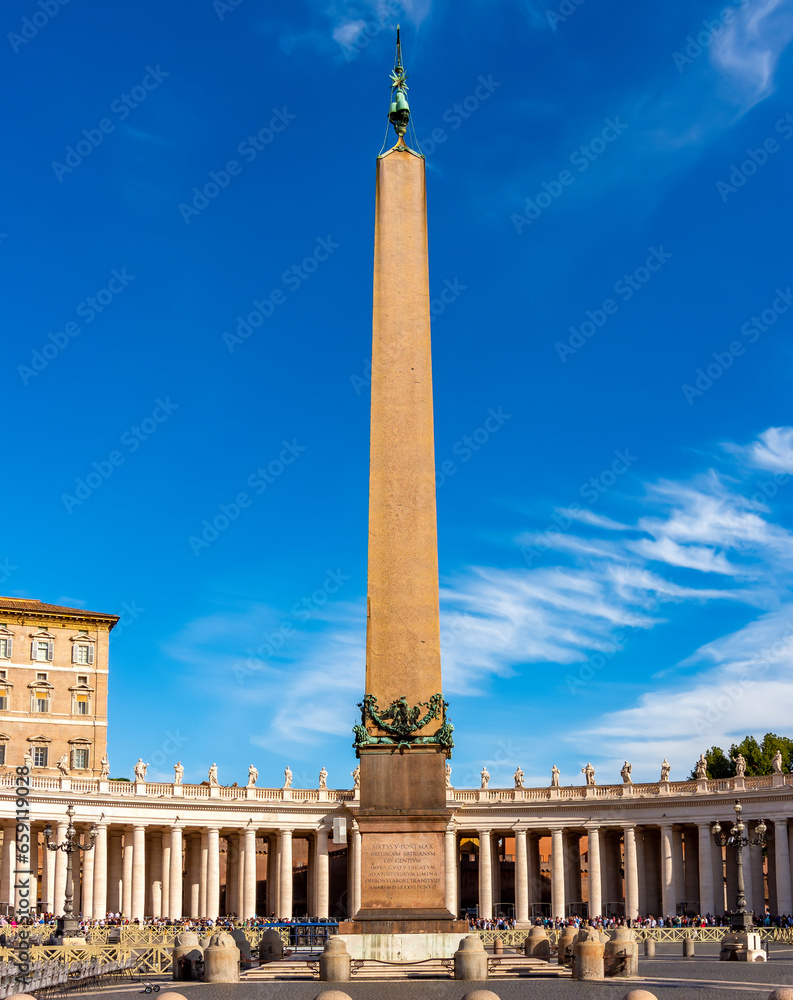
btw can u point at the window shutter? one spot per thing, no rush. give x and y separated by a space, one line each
33 650
50 650
90 654
75 647
9 646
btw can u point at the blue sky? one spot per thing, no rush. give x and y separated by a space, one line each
611 275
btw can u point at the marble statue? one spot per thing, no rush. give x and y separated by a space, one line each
626 773
776 762
104 766
666 767
213 775
140 770
485 777
518 778
27 760
702 767
253 776
740 765
178 772
448 775
554 776
589 772
63 764
323 778
287 777
356 776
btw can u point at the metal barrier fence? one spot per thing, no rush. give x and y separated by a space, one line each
516 938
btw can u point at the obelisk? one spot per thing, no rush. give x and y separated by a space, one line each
404 739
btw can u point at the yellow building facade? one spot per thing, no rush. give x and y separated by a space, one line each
53 687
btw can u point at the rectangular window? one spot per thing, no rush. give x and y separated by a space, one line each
40 755
41 649
3 675
41 701
82 678
6 645
41 677
2 753
80 759
4 701
82 653
81 704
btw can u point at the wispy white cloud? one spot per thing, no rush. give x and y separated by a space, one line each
747 50
773 450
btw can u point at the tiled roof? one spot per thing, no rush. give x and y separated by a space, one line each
25 604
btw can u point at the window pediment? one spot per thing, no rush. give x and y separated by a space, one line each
41 685
39 739
80 741
42 634
5 631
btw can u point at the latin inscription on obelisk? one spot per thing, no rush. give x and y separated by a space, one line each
403 870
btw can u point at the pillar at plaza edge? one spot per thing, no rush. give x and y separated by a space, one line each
404 739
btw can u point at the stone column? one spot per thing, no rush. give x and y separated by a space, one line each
126 877
706 898
138 873
48 900
193 895
285 845
114 864
311 877
9 864
232 869
631 873
641 864
60 869
155 868
213 873
323 875
521 878
89 864
668 902
485 875
595 884
356 870
274 868
677 867
495 868
175 878
784 889
558 907
165 868
240 872
758 877
202 892
249 886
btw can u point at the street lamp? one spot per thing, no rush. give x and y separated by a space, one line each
740 918
68 925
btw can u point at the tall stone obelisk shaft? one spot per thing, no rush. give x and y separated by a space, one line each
403 630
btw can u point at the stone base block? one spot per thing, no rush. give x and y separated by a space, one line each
402 947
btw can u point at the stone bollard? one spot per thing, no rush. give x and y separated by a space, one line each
334 962
25 996
203 942
639 995
498 946
785 993
222 960
481 995
470 959
588 955
622 953
185 956
244 945
271 947
649 947
538 944
332 995
172 996
564 945
688 946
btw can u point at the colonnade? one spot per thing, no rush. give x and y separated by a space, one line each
660 869
169 873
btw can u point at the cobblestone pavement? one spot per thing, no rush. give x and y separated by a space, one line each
668 976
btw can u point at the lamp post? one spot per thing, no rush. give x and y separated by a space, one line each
68 925
740 917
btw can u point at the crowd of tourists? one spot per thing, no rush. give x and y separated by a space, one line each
609 923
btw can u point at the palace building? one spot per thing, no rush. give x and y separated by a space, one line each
53 686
